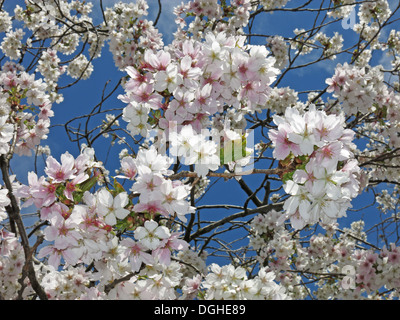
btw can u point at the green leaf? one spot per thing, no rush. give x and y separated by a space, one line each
118 188
287 176
87 185
236 149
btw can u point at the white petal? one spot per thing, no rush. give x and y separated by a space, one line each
110 219
150 225
121 200
105 198
121 213
162 232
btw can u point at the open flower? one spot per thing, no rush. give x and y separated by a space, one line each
63 231
112 208
283 146
60 172
151 234
136 253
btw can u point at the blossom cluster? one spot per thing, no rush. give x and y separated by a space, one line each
25 110
209 149
159 194
276 250
359 90
224 18
320 172
281 98
279 48
357 273
367 273
342 9
44 22
190 83
124 29
81 229
12 44
268 4
81 225
129 33
5 21
228 282
362 91
11 263
125 237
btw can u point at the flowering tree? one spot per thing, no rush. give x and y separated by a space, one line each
216 110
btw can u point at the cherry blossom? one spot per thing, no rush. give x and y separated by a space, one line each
151 234
136 253
111 207
69 229
315 189
60 172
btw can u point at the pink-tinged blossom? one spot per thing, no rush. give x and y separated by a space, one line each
128 168
189 74
25 191
337 81
83 162
331 153
60 172
327 128
283 146
245 68
306 177
147 183
166 246
393 255
56 209
63 231
191 287
157 61
145 94
8 242
91 224
70 255
173 199
202 101
45 111
70 186
136 254
152 206
45 194
136 79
